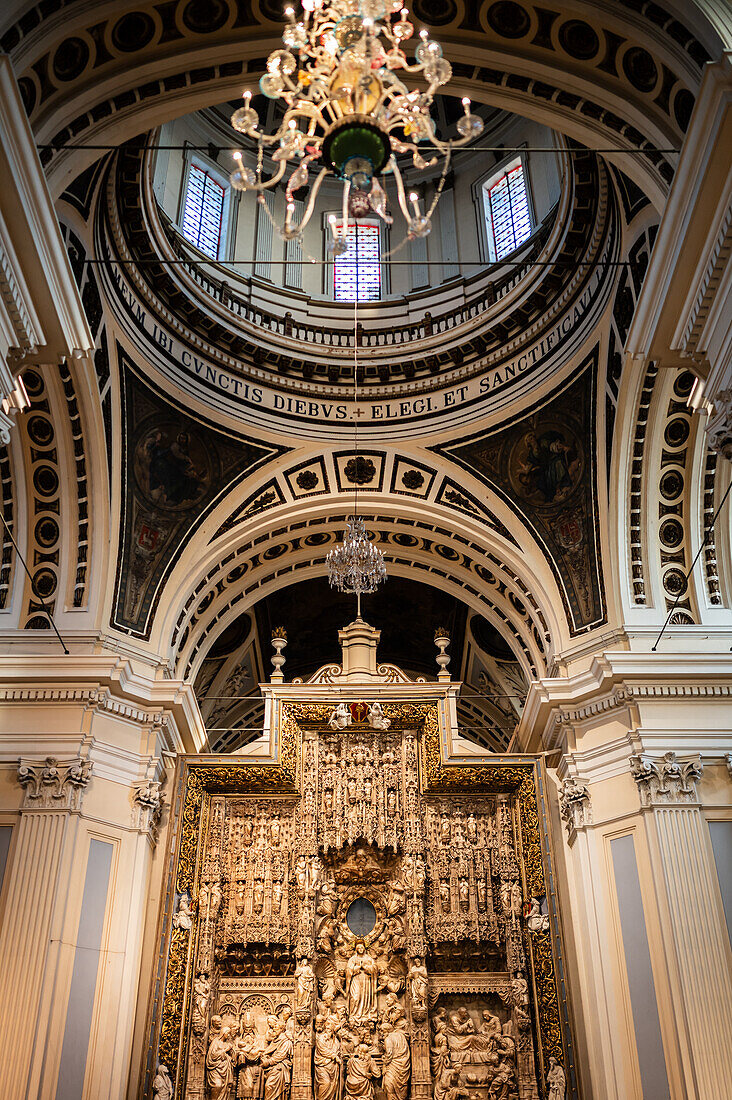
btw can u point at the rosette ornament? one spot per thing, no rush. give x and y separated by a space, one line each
351 108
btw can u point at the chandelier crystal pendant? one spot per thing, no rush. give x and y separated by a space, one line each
356 566
349 111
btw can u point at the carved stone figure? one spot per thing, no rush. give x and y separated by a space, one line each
258 896
183 918
361 973
201 994
445 829
276 897
340 719
162 1085
556 1081
418 983
376 717
219 1072
301 875
396 1063
327 1059
444 896
361 1073
327 899
519 989
482 894
464 892
419 874
391 802
472 829
215 900
395 903
536 920
274 832
453 1089
304 984
277 1060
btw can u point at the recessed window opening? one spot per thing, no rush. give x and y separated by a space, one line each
203 215
357 271
507 213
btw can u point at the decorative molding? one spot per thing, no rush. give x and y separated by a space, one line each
575 805
720 425
668 781
728 759
469 983
54 784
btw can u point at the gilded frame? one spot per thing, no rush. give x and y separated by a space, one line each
200 777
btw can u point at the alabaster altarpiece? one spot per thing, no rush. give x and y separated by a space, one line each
360 906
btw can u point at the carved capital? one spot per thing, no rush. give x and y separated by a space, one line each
147 808
575 805
668 781
54 784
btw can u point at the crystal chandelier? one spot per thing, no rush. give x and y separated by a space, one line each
356 565
349 113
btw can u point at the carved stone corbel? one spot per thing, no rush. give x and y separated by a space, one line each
54 784
147 808
668 781
728 758
575 805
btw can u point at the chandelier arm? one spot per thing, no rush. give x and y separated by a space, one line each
400 188
308 212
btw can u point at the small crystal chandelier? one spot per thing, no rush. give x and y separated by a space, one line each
349 112
356 565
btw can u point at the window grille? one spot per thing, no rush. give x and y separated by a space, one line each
357 272
507 211
204 211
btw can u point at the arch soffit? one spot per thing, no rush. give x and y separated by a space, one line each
289 542
614 77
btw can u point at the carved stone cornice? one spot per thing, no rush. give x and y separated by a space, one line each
668 781
54 784
469 983
575 805
147 808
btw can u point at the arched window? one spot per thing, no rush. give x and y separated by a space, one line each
204 210
507 210
357 271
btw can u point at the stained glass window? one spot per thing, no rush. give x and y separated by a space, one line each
507 211
204 211
357 272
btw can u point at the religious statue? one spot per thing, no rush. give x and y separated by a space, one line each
201 994
219 1072
304 984
258 896
327 899
396 1062
395 901
464 892
556 1081
340 718
376 717
445 829
361 1073
301 875
482 894
215 900
444 896
391 802
519 989
277 1060
419 874
536 920
276 896
489 1028
472 829
418 983
453 1090
274 832
327 1059
248 1050
162 1085
360 989
183 919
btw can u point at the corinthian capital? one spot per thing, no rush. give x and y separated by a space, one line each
575 805
668 781
54 784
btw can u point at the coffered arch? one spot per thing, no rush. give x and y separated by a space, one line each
510 587
616 78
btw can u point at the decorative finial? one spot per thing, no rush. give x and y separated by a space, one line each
442 641
279 641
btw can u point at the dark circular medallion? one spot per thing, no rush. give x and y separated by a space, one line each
44 582
412 479
683 106
45 481
684 384
307 480
33 383
508 19
435 13
70 59
640 69
133 31
40 431
361 917
674 582
671 484
46 532
578 39
671 533
205 16
359 470
677 432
